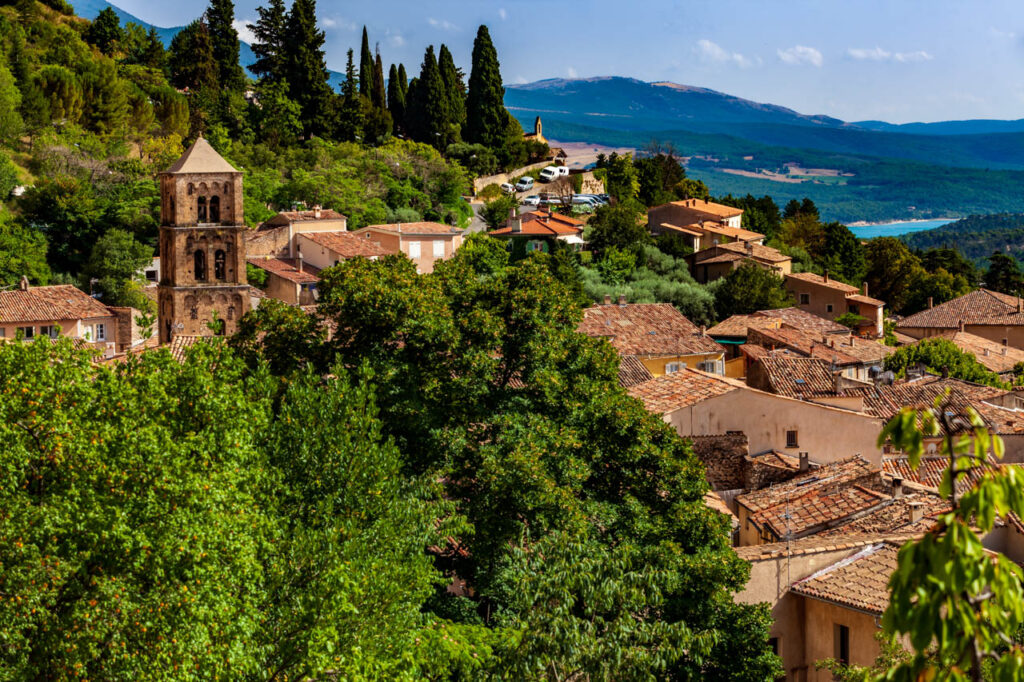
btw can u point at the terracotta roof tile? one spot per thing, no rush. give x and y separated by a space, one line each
201 157
737 325
49 304
815 507
823 478
805 321
646 329
632 371
708 208
846 350
994 356
895 516
742 250
415 228
310 216
287 268
542 224
929 471
798 377
680 389
886 401
860 581
347 244
812 278
817 544
978 307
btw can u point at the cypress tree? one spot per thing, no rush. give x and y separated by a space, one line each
304 66
269 47
350 118
486 117
379 97
403 80
427 116
220 17
191 58
396 99
454 88
365 67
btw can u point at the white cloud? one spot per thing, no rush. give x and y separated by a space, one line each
708 51
877 54
396 40
572 72
244 34
502 13
442 24
800 54
339 22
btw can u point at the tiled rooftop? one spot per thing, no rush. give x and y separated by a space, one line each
709 208
347 244
201 157
828 476
895 517
978 307
681 389
798 377
737 325
287 268
416 228
816 544
930 471
313 215
994 356
816 506
860 581
542 224
804 321
61 302
887 401
646 329
831 283
845 350
632 371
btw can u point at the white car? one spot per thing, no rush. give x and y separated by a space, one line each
507 188
532 200
548 174
525 184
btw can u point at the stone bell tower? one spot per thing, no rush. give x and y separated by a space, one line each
202 245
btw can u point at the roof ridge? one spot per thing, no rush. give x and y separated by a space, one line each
842 563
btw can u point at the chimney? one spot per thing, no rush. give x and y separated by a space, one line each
915 511
703 330
853 341
961 325
511 214
1004 351
1020 305
931 303
865 288
516 224
607 299
825 276
317 211
897 487
299 265
23 284
837 381
805 462
831 343
986 352
622 299
750 248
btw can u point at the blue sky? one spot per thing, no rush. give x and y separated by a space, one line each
896 60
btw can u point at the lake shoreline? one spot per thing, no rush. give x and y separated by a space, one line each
897 229
864 223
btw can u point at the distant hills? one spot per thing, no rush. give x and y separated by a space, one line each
88 9
976 237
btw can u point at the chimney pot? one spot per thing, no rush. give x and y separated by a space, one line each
825 276
897 487
865 288
805 462
914 512
931 303
986 352
703 330
317 211
607 299
23 283
961 325
622 299
1003 350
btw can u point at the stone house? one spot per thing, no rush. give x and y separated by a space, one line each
701 223
539 230
988 314
60 310
289 279
719 260
277 236
830 298
856 358
423 243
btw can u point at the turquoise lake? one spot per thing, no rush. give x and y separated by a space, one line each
896 229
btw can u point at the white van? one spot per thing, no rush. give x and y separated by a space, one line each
525 184
548 174
563 171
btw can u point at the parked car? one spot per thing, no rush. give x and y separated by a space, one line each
525 184
507 188
563 171
532 200
548 174
583 200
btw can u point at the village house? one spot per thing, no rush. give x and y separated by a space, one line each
696 403
830 298
423 243
277 236
539 230
60 310
988 314
656 334
993 355
701 223
814 379
288 279
856 358
719 260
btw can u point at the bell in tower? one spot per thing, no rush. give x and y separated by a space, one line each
203 289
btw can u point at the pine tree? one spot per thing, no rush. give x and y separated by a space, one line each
305 69
269 46
428 117
396 99
220 17
105 31
152 53
379 97
486 117
191 58
365 66
350 119
454 88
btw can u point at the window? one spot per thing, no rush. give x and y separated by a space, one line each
773 644
27 332
853 309
3 332
193 313
49 330
214 209
200 265
220 264
828 308
150 275
673 367
201 210
791 440
536 246
841 639
438 248
414 249
101 332
805 299
1004 342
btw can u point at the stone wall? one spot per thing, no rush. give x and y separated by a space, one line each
500 178
724 459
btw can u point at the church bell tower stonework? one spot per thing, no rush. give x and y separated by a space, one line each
202 246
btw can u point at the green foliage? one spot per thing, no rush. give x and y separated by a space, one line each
760 215
191 59
278 118
22 253
891 268
365 66
428 116
255 276
957 603
8 177
496 211
747 289
975 237
396 99
105 31
114 263
304 66
618 226
220 17
620 176
1003 274
11 123
349 127
659 174
486 117
454 91
852 320
616 265
941 356
270 32
842 254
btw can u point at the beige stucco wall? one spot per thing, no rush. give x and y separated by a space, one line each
820 619
827 433
402 242
281 289
821 297
656 364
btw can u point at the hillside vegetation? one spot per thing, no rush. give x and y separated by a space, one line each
976 237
